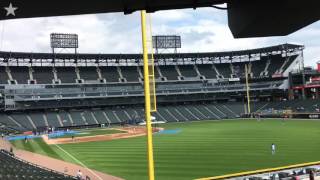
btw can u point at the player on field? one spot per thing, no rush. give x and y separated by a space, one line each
284 118
273 148
258 116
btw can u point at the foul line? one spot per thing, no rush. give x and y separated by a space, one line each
247 173
78 161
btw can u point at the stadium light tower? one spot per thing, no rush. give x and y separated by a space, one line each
64 41
166 42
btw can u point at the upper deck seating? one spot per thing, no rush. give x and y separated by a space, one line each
110 73
43 75
21 74
207 70
188 71
88 73
3 75
130 73
224 69
169 72
66 74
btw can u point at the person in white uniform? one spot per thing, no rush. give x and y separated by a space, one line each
273 148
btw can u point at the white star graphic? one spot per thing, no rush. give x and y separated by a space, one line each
10 10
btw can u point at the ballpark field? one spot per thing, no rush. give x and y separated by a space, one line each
196 149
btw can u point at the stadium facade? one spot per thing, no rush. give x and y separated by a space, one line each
40 90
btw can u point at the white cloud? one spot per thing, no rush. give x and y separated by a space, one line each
202 30
171 15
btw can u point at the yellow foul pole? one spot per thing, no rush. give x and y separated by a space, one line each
147 95
247 88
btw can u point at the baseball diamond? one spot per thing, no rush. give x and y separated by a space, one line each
159 90
200 149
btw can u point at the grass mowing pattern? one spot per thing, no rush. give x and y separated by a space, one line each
201 149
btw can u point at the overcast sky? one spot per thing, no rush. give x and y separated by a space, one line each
202 30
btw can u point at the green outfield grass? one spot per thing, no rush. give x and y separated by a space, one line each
92 132
201 149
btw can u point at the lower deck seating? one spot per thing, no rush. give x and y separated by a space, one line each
53 119
89 118
294 105
100 116
214 109
76 117
5 120
15 169
22 119
112 116
65 119
38 119
169 113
